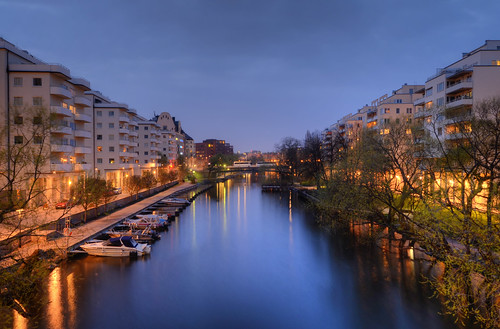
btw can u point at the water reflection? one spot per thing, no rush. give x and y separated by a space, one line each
212 270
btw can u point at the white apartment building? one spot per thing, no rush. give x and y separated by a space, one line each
393 109
149 145
115 139
28 85
173 139
454 90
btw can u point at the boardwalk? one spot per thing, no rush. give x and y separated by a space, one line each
81 233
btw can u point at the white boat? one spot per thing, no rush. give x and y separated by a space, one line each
116 247
176 201
144 221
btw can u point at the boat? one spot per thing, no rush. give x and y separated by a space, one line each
124 246
142 222
175 201
146 235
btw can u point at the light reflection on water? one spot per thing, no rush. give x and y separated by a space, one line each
240 258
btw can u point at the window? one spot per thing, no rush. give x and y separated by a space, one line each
18 139
440 101
37 140
387 111
146 144
99 125
99 137
37 120
408 110
99 160
37 101
18 120
360 118
164 149
397 120
111 160
440 131
387 120
111 149
111 113
440 87
99 149
18 101
111 125
411 91
397 110
146 153
428 92
18 82
408 120
37 82
399 101
146 128
146 136
136 127
99 113
111 137
145 161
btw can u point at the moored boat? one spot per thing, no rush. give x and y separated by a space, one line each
116 247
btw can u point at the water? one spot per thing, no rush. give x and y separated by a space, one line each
240 258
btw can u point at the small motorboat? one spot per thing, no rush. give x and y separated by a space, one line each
142 222
124 246
146 235
175 201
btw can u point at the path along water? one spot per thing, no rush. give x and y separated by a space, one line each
241 258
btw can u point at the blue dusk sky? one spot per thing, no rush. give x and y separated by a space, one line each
249 71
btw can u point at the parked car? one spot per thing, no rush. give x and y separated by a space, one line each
64 204
117 190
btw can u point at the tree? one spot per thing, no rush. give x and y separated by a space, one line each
182 169
311 159
88 191
288 151
148 180
133 185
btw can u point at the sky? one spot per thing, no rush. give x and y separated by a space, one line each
250 72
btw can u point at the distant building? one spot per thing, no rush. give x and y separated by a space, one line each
210 147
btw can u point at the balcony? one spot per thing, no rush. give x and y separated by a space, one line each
459 87
123 142
123 118
419 102
62 130
132 123
459 101
83 166
57 148
81 82
123 131
83 117
126 154
133 133
133 144
83 134
79 100
82 150
61 110
61 167
61 91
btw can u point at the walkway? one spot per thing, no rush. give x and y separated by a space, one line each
81 233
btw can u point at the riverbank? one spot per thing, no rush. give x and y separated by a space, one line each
77 235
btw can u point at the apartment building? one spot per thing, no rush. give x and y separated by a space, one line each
393 109
149 145
210 147
115 137
453 91
29 87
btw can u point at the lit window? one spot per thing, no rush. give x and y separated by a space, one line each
99 149
111 160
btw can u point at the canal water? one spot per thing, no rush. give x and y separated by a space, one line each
242 258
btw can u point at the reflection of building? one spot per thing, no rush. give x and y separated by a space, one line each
210 147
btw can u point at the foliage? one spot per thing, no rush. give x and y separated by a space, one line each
133 185
90 191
